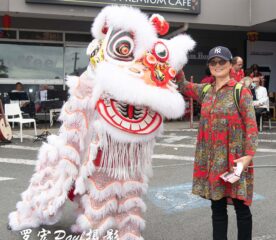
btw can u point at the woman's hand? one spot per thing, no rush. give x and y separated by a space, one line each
244 160
179 80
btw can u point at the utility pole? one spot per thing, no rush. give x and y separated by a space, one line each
76 58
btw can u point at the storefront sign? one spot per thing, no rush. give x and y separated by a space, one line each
183 6
198 55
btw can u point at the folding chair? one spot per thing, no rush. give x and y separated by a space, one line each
266 115
13 110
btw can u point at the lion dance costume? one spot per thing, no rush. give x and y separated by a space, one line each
104 147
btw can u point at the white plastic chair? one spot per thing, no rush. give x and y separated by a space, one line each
13 110
268 116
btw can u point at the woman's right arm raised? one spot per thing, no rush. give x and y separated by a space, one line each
189 89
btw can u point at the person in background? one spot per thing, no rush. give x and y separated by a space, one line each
261 103
227 136
18 87
247 72
247 82
40 95
208 77
236 71
255 72
26 106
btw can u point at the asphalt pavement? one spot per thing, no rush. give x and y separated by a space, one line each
173 213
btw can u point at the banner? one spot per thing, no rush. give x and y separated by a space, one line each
182 6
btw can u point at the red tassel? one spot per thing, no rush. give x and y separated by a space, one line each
160 24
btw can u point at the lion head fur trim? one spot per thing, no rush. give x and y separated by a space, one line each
179 47
128 19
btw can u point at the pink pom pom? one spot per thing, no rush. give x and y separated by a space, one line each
160 24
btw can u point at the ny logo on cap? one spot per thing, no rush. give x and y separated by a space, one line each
217 50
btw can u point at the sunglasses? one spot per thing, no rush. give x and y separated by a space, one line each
213 63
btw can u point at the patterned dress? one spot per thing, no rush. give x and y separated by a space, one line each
225 134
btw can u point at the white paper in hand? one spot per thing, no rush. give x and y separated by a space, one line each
239 169
233 177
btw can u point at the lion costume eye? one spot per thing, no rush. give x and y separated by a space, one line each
120 46
161 51
123 48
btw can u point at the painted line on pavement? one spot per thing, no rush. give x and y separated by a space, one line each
175 145
20 147
171 165
173 157
261 156
24 136
175 138
5 178
264 166
182 130
267 133
193 146
18 161
267 140
162 156
195 130
33 162
173 135
186 164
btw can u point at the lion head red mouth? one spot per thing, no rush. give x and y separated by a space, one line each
129 118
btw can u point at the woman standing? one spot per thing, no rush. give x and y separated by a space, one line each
227 136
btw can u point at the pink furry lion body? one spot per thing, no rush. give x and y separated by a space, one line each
109 125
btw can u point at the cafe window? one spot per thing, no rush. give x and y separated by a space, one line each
76 60
77 37
22 61
7 34
44 36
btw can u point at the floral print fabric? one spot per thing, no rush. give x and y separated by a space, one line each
225 134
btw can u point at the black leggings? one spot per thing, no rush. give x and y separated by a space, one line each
220 219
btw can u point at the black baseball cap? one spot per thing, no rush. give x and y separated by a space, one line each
221 52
